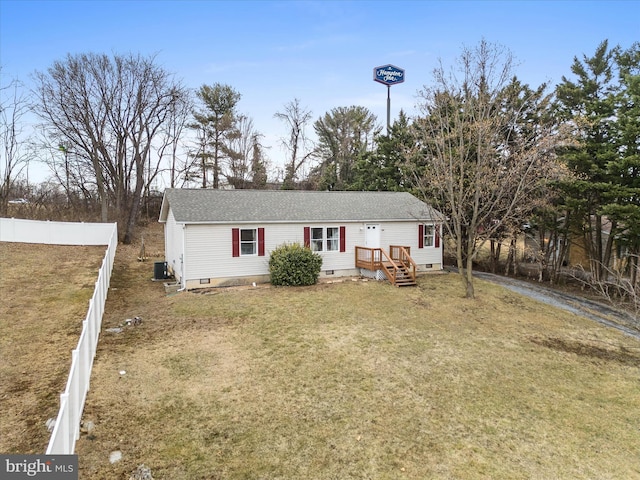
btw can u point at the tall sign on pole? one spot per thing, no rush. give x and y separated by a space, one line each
388 75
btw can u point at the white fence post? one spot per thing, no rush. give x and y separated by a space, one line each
73 386
85 358
63 419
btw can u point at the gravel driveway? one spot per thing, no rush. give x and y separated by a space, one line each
603 314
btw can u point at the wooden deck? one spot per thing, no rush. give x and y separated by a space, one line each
398 266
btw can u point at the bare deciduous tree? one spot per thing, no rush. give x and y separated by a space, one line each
299 147
14 157
110 111
170 142
614 286
487 149
240 148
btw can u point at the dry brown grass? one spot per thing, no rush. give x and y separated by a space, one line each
44 292
356 380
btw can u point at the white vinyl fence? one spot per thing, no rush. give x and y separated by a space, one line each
67 427
54 233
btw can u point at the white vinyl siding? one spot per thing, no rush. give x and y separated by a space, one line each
208 248
174 245
406 234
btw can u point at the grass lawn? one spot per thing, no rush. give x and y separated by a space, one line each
44 297
357 380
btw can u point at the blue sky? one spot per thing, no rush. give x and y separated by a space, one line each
322 52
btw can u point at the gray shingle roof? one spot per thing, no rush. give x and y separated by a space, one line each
271 206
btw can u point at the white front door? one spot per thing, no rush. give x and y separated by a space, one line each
372 236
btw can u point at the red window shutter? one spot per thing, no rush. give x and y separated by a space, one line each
261 242
421 236
343 239
235 241
436 233
307 237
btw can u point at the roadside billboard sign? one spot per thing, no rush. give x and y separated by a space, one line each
388 74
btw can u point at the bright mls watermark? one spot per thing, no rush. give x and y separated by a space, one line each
51 467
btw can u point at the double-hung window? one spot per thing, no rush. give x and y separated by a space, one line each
325 239
248 241
317 239
333 239
428 235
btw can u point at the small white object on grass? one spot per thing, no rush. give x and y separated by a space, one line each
50 424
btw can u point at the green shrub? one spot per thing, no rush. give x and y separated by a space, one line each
294 265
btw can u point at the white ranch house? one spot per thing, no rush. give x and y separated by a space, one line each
223 237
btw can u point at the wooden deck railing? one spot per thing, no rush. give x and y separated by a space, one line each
402 255
369 258
378 259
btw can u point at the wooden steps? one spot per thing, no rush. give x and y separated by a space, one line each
403 277
398 266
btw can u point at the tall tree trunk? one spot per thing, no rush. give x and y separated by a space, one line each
469 289
204 169
467 272
511 255
608 248
599 266
496 246
135 203
132 220
216 173
102 194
